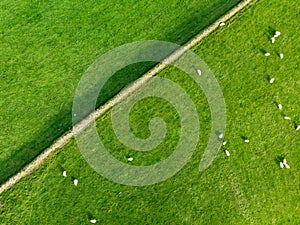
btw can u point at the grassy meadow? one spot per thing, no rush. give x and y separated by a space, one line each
47 45
246 188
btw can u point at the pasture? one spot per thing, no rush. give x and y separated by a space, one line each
248 187
46 46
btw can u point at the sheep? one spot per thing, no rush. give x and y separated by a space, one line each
272 80
267 54
273 40
93 220
281 165
227 152
284 162
277 34
75 181
64 173
279 106
199 72
221 136
281 55
129 159
287 166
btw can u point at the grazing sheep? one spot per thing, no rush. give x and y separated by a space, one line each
273 39
277 34
279 106
297 127
281 55
287 118
221 136
93 220
130 159
75 181
224 143
272 80
247 140
199 72
65 173
281 165
287 166
222 24
267 54
227 152
284 162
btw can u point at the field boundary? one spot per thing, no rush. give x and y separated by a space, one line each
60 142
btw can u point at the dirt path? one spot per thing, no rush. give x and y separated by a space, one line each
119 97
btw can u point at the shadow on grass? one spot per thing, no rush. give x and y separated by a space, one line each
244 137
54 128
62 121
280 158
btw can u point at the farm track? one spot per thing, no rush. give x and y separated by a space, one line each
120 96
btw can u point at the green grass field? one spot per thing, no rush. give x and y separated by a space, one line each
46 46
246 188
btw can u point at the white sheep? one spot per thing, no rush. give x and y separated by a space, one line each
247 140
279 106
64 173
129 159
284 162
297 127
281 165
287 118
267 54
93 220
273 39
75 181
272 80
221 136
277 34
199 72
227 152
281 55
287 166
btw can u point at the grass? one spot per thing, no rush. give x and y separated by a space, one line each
246 188
46 47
